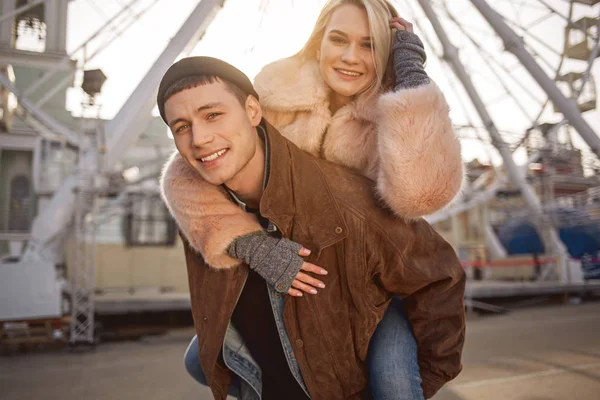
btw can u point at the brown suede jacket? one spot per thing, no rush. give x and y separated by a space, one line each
370 255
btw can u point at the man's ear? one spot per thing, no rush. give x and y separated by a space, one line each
253 110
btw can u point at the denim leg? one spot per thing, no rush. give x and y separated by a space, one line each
392 359
193 367
192 362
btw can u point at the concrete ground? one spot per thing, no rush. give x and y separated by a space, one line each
547 353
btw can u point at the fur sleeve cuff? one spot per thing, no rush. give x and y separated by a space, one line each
420 170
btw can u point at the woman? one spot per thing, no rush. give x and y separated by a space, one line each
357 95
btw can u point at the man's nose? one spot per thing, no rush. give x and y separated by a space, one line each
201 136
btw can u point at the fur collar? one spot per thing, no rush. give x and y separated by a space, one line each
291 84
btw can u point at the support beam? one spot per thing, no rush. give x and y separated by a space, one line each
514 44
33 59
44 120
25 7
547 232
56 26
7 24
17 142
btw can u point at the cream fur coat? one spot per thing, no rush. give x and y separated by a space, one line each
403 140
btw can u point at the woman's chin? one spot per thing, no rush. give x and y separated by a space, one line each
344 91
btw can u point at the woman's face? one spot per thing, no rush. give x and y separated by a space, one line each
345 56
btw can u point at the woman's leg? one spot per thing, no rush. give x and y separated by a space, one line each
193 367
392 359
192 362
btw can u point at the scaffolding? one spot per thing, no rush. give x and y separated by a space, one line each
83 270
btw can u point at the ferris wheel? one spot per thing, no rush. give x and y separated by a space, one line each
561 38
521 80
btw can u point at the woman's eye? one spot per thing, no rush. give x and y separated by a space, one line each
367 46
337 40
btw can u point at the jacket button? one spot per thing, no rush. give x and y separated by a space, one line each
205 319
339 230
280 287
299 343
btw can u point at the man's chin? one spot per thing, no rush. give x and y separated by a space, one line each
213 180
209 178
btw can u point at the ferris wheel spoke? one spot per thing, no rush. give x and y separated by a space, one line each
533 5
565 18
535 38
538 21
491 62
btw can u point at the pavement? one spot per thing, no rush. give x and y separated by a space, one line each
544 353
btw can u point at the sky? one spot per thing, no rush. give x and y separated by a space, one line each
252 33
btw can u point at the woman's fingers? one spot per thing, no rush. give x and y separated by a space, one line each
304 287
315 269
304 282
309 280
401 24
304 252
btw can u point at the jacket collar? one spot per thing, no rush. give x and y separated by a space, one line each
298 195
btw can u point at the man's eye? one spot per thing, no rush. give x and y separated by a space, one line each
181 128
213 115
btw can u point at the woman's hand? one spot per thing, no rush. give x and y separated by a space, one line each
409 56
401 24
304 282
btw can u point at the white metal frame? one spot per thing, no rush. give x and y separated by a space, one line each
52 224
546 231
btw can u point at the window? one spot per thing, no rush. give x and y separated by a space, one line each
30 27
19 206
147 221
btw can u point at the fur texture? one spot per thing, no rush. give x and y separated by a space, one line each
404 140
205 214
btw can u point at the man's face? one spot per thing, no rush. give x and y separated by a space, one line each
213 132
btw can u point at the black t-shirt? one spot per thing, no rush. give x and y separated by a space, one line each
253 318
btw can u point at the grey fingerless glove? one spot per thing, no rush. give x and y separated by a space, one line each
409 60
276 260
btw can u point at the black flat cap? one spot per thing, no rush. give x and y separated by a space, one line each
201 66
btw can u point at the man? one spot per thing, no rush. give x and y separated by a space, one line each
295 347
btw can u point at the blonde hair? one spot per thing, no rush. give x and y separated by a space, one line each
379 13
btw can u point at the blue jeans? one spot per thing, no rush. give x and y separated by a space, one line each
193 367
392 359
